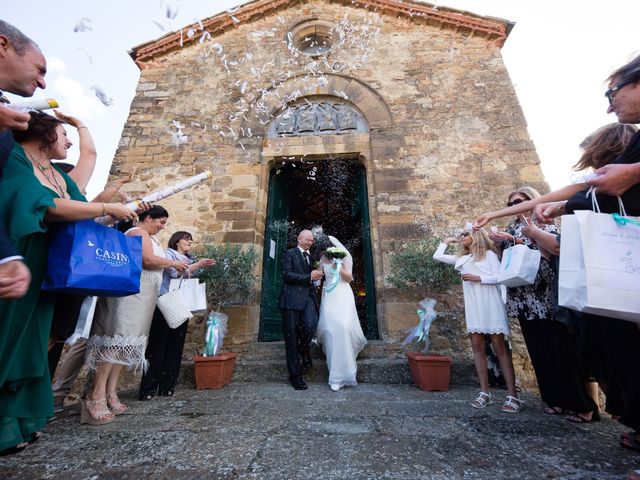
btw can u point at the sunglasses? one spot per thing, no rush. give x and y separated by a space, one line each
465 234
515 202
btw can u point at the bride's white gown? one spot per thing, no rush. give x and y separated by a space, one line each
339 330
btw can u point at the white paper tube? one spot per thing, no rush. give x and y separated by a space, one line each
41 104
172 190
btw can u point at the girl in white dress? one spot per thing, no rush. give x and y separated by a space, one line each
339 329
484 309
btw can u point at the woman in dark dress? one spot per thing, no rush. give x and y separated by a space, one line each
164 349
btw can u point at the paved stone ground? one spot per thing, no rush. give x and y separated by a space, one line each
270 431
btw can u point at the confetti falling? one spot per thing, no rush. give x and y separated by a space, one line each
106 100
83 25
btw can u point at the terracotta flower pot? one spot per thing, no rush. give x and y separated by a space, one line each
214 372
430 371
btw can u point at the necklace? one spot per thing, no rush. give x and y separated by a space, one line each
53 181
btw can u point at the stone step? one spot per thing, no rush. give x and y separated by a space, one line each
370 370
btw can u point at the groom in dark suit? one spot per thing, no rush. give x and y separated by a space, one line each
299 306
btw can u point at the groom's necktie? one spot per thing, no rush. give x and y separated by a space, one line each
306 257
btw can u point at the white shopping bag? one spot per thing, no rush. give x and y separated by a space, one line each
519 266
193 293
600 266
173 309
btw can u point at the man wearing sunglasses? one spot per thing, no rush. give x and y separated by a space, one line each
624 100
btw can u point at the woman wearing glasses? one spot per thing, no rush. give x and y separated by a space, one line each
478 263
546 331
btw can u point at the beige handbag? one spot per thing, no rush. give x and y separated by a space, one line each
173 309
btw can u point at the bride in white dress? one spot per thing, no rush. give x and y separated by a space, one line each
339 329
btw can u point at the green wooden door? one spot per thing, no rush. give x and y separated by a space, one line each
360 212
275 243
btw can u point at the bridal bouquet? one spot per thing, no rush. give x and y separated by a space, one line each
335 253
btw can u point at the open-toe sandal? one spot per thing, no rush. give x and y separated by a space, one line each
483 399
512 404
95 412
580 418
554 411
114 404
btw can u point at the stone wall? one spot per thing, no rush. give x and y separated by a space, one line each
447 140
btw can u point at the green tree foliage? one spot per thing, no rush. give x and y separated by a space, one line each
231 280
414 267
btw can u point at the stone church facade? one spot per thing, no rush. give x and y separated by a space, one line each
414 98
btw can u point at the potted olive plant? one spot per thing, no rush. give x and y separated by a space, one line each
229 282
414 269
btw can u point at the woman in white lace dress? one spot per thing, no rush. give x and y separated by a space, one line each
339 329
121 324
485 313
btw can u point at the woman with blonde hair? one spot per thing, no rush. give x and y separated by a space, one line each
485 314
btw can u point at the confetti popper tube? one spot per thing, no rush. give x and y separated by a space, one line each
172 190
43 104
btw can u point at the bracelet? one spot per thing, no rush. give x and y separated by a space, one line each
104 209
83 126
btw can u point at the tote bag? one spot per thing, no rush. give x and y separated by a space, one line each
87 258
192 292
173 309
600 265
519 266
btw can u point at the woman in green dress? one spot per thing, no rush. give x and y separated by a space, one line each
33 193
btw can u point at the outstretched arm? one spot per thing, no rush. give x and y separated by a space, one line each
557 195
439 254
81 174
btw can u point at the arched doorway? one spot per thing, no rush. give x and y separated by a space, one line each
326 191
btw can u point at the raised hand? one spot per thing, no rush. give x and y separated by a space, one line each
73 121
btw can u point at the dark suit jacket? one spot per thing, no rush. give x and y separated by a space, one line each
297 289
6 144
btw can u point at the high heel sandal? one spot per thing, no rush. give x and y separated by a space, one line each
116 407
100 416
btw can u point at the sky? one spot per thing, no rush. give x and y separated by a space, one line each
558 55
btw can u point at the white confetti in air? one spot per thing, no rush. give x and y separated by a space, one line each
243 87
235 19
322 81
87 54
205 36
190 33
159 25
106 100
82 25
217 47
171 12
178 137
